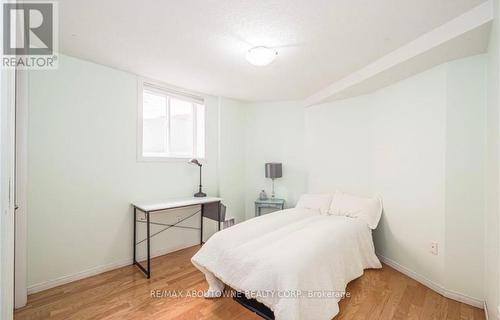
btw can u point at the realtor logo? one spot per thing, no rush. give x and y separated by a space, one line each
30 35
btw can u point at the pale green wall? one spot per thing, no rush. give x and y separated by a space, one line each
83 172
409 141
274 133
465 178
492 213
232 157
330 135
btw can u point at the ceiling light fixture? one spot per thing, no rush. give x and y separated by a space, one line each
261 56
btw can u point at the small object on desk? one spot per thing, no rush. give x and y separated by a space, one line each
273 203
210 207
263 195
198 194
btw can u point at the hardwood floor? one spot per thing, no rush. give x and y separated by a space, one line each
126 294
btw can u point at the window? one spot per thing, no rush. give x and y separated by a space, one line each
171 124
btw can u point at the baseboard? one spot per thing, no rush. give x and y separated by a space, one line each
486 313
96 270
432 285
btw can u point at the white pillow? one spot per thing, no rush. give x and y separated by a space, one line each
320 202
367 209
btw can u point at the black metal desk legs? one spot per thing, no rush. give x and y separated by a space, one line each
135 230
201 223
218 218
147 271
149 242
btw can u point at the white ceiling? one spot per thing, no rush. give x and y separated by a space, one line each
201 44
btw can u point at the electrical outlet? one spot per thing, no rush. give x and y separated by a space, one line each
434 248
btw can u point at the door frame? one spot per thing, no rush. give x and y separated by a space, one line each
20 195
8 190
7 176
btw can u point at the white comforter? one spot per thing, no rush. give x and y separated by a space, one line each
283 258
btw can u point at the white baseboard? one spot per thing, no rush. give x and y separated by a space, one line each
96 270
434 286
486 313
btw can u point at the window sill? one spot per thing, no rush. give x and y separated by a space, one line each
167 159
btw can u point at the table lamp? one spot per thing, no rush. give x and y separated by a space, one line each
198 194
273 171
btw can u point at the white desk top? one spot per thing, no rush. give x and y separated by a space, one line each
173 203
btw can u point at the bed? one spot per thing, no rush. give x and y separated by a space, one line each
296 262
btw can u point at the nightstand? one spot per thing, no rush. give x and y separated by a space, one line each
278 204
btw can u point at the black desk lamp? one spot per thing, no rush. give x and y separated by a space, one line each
273 171
198 194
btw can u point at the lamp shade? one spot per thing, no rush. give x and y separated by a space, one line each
195 161
273 170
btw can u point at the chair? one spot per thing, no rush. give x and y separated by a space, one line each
216 212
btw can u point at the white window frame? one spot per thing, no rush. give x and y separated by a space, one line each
169 92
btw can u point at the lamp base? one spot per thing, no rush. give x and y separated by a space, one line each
200 194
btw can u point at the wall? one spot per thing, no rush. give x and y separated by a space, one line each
418 144
330 134
465 179
232 157
409 170
274 133
374 145
492 237
83 173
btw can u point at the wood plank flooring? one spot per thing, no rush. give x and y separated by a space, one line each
126 294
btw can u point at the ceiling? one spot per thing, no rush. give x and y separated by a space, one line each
201 44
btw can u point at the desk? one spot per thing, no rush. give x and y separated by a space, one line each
210 208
